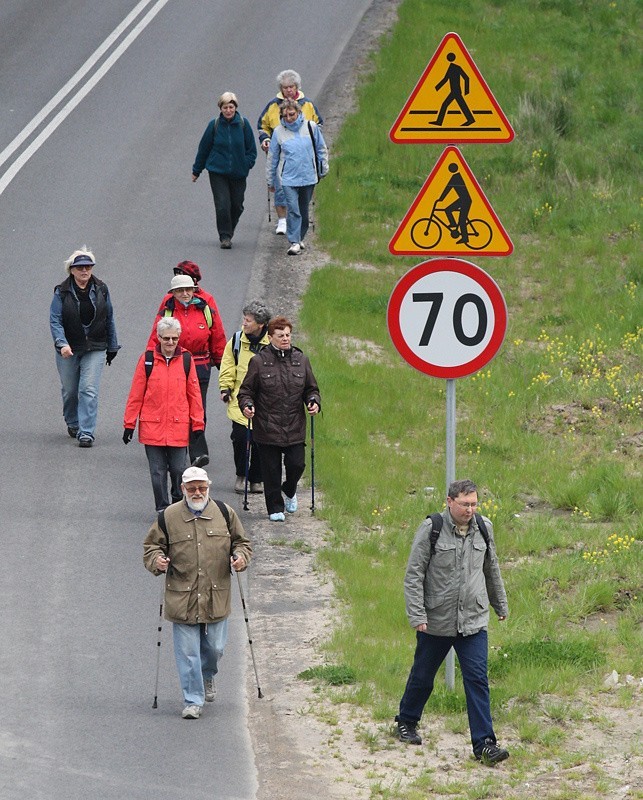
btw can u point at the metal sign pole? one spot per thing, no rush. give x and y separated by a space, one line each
450 454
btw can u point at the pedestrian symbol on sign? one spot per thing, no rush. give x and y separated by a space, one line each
457 79
451 103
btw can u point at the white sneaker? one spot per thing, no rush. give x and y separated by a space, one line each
294 249
191 712
240 485
302 245
281 226
290 503
278 516
210 689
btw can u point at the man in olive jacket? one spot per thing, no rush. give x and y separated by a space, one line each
278 389
196 555
450 581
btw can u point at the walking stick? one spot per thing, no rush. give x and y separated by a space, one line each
312 462
158 644
245 490
245 615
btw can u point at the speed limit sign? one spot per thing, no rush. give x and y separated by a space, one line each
447 317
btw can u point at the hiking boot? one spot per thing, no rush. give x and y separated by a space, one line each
294 249
281 227
256 488
278 516
240 485
290 503
85 441
191 712
490 753
226 244
407 732
210 689
73 432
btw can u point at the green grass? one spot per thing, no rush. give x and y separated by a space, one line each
550 429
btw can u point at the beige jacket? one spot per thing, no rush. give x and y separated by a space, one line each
197 585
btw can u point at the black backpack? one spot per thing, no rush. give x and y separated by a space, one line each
436 527
221 506
149 363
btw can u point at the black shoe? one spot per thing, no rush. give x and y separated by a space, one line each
73 432
201 461
407 732
85 441
490 753
226 244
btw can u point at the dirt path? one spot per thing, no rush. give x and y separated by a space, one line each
307 747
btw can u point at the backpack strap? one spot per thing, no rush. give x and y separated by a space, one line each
220 505
483 530
436 527
187 359
224 511
149 364
312 137
236 346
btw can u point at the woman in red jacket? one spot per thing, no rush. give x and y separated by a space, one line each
202 334
166 400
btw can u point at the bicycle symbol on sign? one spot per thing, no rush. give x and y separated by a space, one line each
427 231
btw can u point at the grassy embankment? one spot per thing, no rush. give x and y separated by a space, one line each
551 429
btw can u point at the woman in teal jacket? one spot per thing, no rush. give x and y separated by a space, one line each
228 151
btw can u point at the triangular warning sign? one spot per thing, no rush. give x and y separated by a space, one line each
451 103
451 216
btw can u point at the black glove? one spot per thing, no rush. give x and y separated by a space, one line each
127 435
225 395
111 355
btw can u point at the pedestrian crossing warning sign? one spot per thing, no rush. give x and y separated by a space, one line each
451 103
451 216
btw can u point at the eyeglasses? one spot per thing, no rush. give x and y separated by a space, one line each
83 266
466 505
169 338
196 489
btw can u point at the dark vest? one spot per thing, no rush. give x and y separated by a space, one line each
96 336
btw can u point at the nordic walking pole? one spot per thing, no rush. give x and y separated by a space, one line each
245 489
245 615
312 462
158 645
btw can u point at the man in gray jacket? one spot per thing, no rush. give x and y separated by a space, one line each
450 581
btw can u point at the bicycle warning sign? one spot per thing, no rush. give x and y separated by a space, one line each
451 216
451 103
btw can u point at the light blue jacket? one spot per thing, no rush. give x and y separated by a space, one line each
291 153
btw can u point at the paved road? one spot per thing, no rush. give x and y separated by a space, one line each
78 613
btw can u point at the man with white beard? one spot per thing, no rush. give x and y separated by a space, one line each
195 543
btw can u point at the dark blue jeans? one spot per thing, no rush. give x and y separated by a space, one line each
430 652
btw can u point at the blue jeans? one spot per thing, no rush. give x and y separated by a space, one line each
430 652
297 201
280 198
164 460
197 650
80 380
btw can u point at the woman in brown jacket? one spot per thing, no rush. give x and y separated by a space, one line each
278 389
